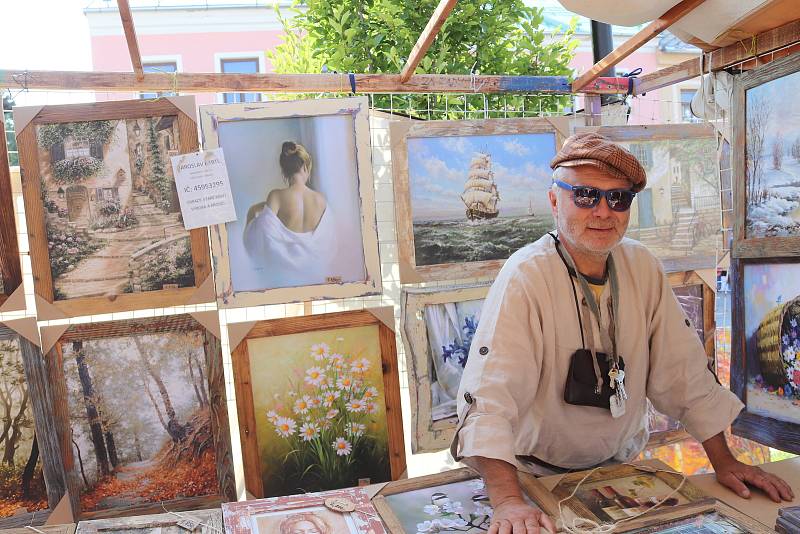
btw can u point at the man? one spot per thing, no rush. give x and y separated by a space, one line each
568 316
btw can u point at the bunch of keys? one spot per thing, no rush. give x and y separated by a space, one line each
617 401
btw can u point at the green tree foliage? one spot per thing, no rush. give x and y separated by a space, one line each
372 36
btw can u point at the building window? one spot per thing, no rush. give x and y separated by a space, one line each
643 152
686 106
164 67
240 66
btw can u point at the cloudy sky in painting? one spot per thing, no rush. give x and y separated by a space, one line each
785 112
438 168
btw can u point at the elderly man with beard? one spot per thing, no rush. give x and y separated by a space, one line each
578 332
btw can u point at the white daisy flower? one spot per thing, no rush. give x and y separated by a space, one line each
356 429
302 405
360 365
329 397
371 393
356 405
285 426
320 351
272 416
342 447
309 431
344 382
331 413
315 376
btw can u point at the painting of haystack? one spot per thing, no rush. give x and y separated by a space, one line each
140 419
772 149
112 214
22 487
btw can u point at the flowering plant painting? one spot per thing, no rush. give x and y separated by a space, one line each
329 420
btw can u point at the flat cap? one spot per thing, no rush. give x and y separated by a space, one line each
592 148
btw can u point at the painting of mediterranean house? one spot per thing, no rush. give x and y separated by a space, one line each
112 215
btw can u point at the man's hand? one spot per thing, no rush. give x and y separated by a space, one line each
735 475
516 516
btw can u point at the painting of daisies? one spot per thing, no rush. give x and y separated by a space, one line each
772 337
319 408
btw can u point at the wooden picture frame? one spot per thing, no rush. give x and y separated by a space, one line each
210 522
428 435
80 202
242 335
761 79
356 514
681 214
202 432
762 348
44 529
690 516
653 469
530 485
10 266
36 393
346 279
414 269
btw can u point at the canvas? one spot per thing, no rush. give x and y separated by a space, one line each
303 192
206 521
112 214
691 300
772 340
703 524
626 497
772 160
304 514
677 215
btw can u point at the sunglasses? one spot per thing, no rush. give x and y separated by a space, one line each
588 197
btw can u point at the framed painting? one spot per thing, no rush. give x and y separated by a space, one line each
677 216
344 511
33 481
468 194
452 501
171 447
10 267
301 177
717 518
200 521
622 492
44 529
105 226
437 325
765 360
318 399
766 160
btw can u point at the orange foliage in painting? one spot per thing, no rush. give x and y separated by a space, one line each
10 507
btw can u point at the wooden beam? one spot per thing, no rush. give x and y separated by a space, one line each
634 43
427 36
130 36
296 83
782 37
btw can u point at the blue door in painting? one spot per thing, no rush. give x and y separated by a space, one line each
646 217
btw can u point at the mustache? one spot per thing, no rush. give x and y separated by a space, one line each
601 226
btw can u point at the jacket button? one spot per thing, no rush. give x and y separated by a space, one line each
468 397
688 323
483 351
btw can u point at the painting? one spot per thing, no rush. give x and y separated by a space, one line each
203 521
10 268
301 178
173 446
717 518
106 232
318 401
437 325
622 492
677 215
468 194
451 501
310 513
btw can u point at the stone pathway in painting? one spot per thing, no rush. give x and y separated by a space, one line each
134 472
106 272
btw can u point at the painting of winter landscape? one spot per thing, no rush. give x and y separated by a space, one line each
112 214
450 328
772 340
478 197
140 419
773 158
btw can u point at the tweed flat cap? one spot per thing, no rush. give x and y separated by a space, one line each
591 148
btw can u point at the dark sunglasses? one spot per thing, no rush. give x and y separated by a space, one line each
588 197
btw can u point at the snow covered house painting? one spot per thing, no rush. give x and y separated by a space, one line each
772 148
112 215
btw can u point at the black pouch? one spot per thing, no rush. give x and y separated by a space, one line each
581 381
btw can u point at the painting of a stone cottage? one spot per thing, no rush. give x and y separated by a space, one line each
113 219
677 214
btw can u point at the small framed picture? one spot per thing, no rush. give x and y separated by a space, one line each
197 521
344 511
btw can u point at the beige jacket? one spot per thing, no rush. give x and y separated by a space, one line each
520 354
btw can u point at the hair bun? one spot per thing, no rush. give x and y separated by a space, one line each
289 148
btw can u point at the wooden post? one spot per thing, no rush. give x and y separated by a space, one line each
634 43
427 36
130 37
10 270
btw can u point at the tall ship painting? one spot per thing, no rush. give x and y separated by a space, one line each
480 194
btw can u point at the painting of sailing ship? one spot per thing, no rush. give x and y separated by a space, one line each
478 197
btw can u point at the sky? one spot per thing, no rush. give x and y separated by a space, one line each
786 114
764 294
438 168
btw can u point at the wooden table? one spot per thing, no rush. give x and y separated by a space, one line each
758 506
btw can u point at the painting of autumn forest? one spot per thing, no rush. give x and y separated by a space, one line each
22 486
141 421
